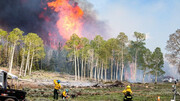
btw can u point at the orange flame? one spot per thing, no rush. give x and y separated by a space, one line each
53 40
69 20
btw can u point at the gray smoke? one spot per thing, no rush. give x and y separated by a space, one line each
92 26
171 70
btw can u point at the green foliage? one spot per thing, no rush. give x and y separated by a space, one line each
96 44
1 47
139 36
14 46
53 61
73 42
89 52
157 62
112 45
35 44
137 45
122 39
85 46
3 34
73 45
14 38
114 53
15 35
145 59
3 40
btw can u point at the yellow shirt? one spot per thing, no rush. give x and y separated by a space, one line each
127 90
57 85
64 94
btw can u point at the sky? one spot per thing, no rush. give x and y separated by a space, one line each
156 18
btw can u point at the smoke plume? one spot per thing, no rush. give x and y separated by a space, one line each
50 21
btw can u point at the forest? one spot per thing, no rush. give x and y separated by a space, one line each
20 51
98 59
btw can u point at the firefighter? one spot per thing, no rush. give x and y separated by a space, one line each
56 88
127 93
65 94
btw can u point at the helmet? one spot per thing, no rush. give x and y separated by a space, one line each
58 81
66 90
128 87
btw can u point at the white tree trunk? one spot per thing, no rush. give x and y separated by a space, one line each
22 63
75 69
120 68
99 70
122 72
122 65
111 69
85 68
27 63
102 71
95 74
82 68
9 51
31 63
12 56
105 74
98 74
78 68
117 70
92 65
6 52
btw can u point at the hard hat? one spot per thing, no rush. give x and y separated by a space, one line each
58 81
128 87
66 90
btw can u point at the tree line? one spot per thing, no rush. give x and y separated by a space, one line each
96 59
20 51
93 58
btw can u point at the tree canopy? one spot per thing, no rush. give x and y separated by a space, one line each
173 48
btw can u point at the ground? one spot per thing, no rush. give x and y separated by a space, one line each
39 87
141 92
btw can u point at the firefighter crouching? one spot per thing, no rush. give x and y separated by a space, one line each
56 88
127 93
65 94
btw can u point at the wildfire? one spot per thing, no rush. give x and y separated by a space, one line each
69 17
53 40
46 18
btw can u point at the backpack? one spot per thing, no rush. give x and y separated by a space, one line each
128 97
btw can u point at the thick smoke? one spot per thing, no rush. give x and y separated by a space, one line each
20 13
35 16
23 14
92 26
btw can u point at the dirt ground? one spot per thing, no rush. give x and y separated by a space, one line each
39 87
44 79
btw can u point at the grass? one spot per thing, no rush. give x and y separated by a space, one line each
148 92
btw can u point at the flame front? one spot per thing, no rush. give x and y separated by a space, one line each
69 18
